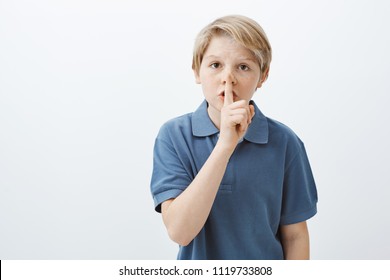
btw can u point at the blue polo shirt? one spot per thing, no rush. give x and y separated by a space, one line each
268 183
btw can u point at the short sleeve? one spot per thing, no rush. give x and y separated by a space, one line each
299 201
169 177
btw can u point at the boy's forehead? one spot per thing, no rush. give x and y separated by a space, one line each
219 46
238 57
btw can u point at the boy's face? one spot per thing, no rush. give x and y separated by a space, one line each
226 61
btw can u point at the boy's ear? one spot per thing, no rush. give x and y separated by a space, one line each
197 78
263 78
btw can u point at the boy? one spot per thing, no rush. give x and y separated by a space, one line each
231 183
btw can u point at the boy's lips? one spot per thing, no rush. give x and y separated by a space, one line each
222 95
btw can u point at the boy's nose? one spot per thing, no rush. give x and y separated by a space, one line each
228 77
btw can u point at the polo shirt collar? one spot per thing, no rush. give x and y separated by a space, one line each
258 129
202 125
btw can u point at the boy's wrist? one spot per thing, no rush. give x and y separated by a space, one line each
224 148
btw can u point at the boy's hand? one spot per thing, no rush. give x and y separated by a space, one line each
235 118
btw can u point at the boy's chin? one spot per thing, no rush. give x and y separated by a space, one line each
214 106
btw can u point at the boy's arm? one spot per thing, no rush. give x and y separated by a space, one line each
295 241
186 215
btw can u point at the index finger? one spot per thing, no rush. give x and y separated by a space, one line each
228 94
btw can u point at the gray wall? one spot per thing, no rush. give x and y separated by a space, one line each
85 86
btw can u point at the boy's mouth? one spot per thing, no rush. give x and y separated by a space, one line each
222 95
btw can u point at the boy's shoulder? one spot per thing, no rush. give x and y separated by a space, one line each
175 126
279 132
178 122
279 127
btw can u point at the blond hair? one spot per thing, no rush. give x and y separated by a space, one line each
243 30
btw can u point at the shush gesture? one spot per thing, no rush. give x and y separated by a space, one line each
197 185
235 118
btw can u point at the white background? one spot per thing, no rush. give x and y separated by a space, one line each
85 86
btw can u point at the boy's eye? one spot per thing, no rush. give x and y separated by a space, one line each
215 65
243 67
